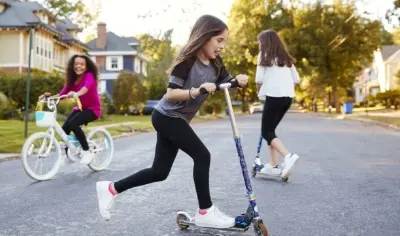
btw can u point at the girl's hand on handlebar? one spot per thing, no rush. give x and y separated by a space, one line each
209 87
242 80
70 94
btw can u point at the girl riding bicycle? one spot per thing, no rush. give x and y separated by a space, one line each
81 82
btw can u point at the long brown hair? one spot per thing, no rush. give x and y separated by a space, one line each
273 51
206 27
71 75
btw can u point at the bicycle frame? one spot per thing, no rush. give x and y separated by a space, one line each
54 125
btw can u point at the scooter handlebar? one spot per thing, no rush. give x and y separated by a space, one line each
228 85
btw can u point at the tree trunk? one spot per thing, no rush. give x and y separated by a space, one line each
336 99
243 101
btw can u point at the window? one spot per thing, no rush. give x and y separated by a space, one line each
114 63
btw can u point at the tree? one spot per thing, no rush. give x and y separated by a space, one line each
162 54
128 91
330 42
76 10
393 13
389 38
334 43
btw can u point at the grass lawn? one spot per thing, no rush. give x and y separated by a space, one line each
12 131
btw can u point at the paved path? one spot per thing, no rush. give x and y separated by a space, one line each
347 183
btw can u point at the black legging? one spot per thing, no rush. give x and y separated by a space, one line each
73 123
174 134
274 110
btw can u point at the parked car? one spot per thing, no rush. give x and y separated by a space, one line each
256 107
149 107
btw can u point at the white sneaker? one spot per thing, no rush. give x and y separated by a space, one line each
289 161
271 170
105 198
214 218
87 157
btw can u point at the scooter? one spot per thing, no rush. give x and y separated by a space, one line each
243 222
257 166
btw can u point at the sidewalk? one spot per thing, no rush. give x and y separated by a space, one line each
8 156
395 114
111 125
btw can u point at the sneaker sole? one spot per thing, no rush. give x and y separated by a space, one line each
98 201
289 172
214 226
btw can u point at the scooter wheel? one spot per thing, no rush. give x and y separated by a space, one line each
285 179
254 172
261 230
182 217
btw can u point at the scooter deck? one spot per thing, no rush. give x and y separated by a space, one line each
258 172
234 228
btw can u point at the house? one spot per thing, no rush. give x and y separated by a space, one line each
114 54
54 40
380 75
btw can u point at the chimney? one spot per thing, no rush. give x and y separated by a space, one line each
101 40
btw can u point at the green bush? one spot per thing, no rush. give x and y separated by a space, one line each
388 98
14 86
104 108
108 105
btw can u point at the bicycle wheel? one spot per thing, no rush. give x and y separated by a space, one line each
48 149
102 145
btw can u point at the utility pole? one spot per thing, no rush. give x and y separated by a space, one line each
28 80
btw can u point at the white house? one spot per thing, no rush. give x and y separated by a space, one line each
380 76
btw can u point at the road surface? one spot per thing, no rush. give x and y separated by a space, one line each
347 183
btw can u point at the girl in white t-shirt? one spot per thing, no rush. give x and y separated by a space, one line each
275 79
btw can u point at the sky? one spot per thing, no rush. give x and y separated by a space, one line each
122 16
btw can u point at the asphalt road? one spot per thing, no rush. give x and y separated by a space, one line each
347 183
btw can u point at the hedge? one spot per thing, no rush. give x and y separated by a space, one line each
14 87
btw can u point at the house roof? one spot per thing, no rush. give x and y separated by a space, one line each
21 14
114 43
388 50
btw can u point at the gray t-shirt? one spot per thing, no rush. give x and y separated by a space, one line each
191 73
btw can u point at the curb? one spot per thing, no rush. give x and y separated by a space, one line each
320 114
378 123
9 157
364 120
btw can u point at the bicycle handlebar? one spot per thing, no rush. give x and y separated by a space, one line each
222 86
51 103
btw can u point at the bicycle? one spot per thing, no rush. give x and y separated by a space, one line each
50 143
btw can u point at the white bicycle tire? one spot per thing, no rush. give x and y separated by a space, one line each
107 162
24 153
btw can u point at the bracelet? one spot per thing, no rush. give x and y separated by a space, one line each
190 93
